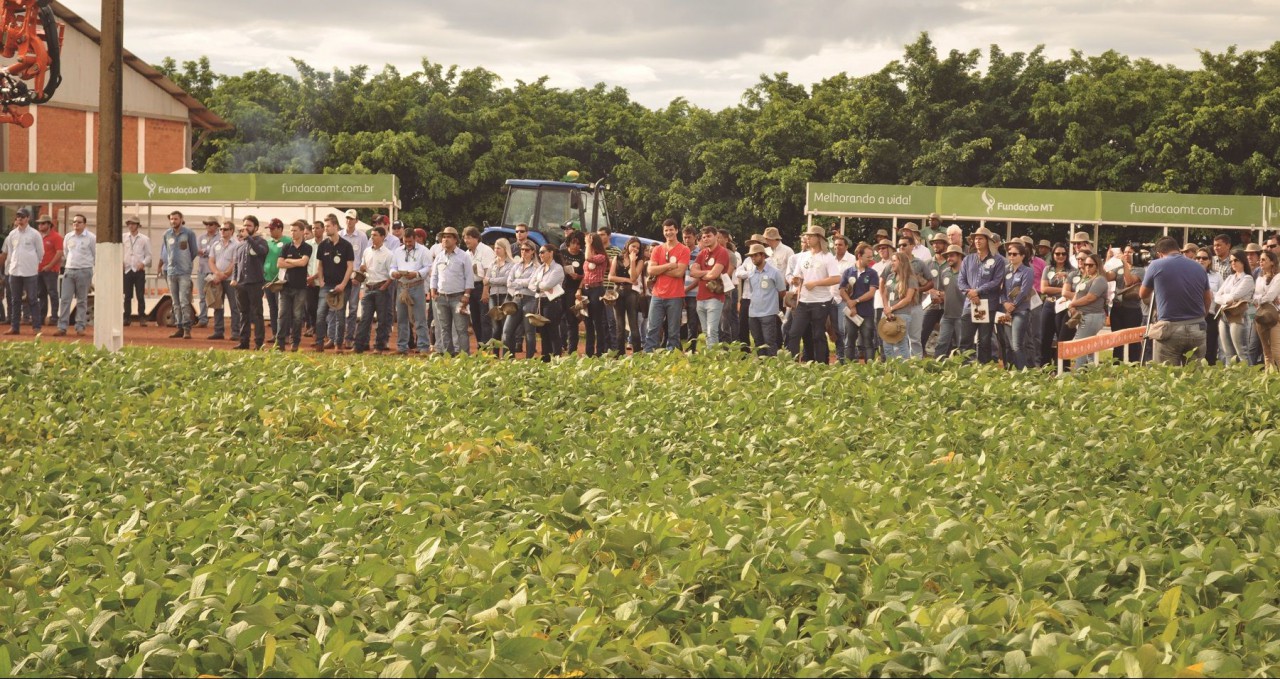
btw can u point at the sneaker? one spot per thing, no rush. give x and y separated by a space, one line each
176 334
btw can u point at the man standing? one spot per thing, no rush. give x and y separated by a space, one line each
1181 289
711 262
50 267
858 286
294 259
248 280
203 270
410 267
948 298
359 243
337 259
845 260
81 248
313 280
782 254
178 252
692 326
766 285
376 267
222 263
452 280
981 278
137 259
395 239
23 250
276 240
918 251
932 315
482 259
667 266
815 275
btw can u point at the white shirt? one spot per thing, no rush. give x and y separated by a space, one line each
1264 292
879 268
81 249
781 258
418 260
137 251
815 266
358 240
377 265
482 259
842 263
742 273
922 253
25 248
313 263
1234 287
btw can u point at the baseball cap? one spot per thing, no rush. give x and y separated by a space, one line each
351 214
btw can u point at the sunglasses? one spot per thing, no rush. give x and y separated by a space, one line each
1090 265
1201 258
1059 254
522 231
226 228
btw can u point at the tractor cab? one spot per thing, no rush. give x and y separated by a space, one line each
547 207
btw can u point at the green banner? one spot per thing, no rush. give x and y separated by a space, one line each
1018 204
325 188
184 188
48 187
1273 212
1182 209
870 199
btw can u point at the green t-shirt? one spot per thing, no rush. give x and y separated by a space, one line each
271 268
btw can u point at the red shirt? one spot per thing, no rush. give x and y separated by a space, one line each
669 287
707 260
594 270
52 246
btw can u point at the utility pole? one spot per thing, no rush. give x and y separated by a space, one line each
108 305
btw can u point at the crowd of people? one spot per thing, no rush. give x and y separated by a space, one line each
337 287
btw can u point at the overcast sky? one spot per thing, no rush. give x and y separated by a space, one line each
707 51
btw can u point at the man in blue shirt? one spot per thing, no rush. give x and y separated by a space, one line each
767 286
1181 289
178 252
981 278
858 286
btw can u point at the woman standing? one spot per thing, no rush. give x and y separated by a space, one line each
1087 299
1265 296
1052 282
548 286
1205 258
520 288
496 279
625 270
592 288
899 293
1233 299
1015 300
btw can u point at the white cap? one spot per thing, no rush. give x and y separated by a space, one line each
351 214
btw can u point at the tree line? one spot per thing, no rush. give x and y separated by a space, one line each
1014 120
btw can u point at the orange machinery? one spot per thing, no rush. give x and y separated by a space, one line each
32 36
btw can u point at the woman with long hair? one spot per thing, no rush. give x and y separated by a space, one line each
594 268
1052 282
625 270
1088 299
901 300
1233 299
548 285
1205 259
496 279
1265 296
517 329
1015 301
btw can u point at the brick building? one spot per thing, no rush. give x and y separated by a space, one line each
159 117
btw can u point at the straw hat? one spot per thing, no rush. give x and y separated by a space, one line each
791 299
359 276
580 307
335 298
1044 244
892 330
610 297
448 231
911 226
537 320
213 295
1190 247
1080 237
881 233
984 232
757 249
939 237
1253 247
275 286
816 230
771 233
954 250
755 238
715 286
1234 311
509 308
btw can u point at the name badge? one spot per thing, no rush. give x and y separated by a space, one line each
711 261
337 259
764 284
1008 276
591 266
946 280
671 259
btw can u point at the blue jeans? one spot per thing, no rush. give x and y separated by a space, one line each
219 318
663 311
902 348
353 312
842 325
948 337
1090 326
709 313
180 293
30 285
451 325
1233 339
517 326
417 313
329 322
914 327
766 331
1013 337
75 287
293 307
376 302
202 307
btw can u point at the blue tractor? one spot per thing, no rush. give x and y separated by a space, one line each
547 207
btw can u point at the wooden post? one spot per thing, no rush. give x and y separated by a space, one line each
108 330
